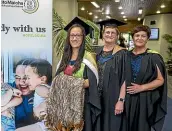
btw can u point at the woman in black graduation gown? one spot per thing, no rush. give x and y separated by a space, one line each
81 64
146 81
111 64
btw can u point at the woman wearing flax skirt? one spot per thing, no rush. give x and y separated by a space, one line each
73 103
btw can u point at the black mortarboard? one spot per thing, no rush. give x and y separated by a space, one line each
76 20
109 22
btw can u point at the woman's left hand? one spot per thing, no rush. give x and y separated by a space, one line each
119 107
135 88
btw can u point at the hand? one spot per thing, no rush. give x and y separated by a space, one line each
16 92
86 83
119 107
135 88
40 110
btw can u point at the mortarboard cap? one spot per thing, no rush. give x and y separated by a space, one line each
76 20
109 22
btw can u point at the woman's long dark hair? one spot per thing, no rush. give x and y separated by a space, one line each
67 54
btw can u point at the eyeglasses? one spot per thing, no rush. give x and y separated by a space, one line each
20 78
77 36
112 33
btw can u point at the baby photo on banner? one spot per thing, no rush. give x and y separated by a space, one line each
26 61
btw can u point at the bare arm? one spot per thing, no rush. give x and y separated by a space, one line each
6 97
135 88
159 81
122 91
14 102
42 91
119 106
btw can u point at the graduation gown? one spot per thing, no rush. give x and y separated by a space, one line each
113 78
146 109
92 107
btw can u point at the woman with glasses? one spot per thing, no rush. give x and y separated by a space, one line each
24 111
111 64
74 103
146 98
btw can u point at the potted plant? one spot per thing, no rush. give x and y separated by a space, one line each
168 38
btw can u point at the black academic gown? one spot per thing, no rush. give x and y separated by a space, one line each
146 109
114 76
92 107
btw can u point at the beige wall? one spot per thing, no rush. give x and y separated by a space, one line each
164 23
67 9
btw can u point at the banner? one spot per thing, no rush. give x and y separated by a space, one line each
26 33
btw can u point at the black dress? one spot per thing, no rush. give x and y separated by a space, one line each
146 109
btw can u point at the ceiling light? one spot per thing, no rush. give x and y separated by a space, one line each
138 19
117 0
125 19
90 13
95 17
124 16
120 7
162 6
95 4
108 17
107 10
122 13
140 11
158 12
82 8
100 19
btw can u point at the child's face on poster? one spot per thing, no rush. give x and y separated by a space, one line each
33 79
20 80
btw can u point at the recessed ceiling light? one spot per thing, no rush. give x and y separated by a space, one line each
120 7
138 19
140 10
117 0
108 17
90 13
100 19
82 8
162 6
124 16
158 12
122 13
125 19
95 4
95 17
107 11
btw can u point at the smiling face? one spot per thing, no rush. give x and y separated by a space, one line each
20 80
76 37
33 79
140 39
110 35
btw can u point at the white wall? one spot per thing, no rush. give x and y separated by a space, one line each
164 23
